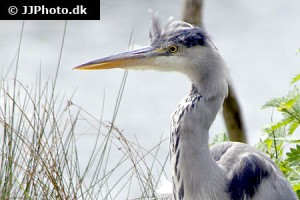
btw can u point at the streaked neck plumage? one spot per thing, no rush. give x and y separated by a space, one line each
194 170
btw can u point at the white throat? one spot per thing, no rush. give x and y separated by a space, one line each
210 75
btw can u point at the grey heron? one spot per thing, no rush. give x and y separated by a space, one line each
229 170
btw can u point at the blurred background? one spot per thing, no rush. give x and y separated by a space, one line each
259 41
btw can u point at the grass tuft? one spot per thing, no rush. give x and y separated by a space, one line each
41 138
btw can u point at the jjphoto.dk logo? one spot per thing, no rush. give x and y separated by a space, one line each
43 10
50 10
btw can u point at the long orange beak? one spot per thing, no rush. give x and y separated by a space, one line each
139 58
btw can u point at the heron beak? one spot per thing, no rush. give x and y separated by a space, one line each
136 58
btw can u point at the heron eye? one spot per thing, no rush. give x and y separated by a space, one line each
173 49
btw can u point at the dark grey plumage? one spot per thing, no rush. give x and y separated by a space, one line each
175 33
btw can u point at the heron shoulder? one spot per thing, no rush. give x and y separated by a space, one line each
247 170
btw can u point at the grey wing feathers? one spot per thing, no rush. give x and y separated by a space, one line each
250 173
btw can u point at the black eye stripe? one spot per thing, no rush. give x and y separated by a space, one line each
189 38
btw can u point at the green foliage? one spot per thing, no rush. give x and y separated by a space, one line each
280 142
293 156
289 107
222 137
296 78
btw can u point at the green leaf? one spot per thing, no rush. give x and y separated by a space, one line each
274 103
296 186
269 143
287 140
281 123
222 137
286 105
283 103
296 78
284 168
293 126
294 156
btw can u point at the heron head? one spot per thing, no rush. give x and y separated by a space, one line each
172 48
178 46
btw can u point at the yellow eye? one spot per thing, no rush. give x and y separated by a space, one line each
173 49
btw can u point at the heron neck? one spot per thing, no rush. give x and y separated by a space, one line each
194 167
210 78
